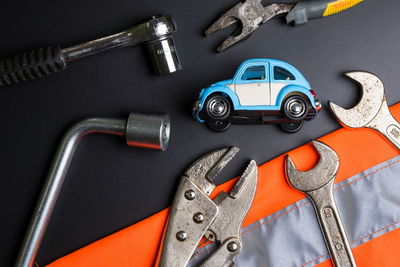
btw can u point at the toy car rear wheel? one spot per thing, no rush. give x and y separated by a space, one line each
219 126
291 127
295 108
217 108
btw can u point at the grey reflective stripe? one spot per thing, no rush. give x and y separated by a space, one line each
369 205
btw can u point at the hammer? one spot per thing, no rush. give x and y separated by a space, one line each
156 33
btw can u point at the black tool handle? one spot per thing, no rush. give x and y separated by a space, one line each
31 65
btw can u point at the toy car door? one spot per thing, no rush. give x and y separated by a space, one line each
252 85
280 77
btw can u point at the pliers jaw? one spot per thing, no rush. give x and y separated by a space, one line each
204 170
251 14
194 214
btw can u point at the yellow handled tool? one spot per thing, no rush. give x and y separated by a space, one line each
315 9
252 13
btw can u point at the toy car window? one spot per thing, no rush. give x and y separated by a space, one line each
283 74
254 73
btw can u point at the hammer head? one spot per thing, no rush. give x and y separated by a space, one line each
373 96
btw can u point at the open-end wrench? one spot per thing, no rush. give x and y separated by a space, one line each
317 184
372 111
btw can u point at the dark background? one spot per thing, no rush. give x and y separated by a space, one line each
111 186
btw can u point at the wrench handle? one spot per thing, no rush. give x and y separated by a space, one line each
387 125
392 131
31 65
331 226
335 237
393 134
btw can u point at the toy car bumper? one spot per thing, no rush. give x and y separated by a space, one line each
312 113
318 104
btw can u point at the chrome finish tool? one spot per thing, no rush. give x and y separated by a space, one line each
156 33
317 185
194 214
251 14
141 130
372 111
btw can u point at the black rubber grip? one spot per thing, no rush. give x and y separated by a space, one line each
31 65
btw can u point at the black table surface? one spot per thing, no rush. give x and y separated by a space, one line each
109 185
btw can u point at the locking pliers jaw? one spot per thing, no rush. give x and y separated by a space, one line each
194 214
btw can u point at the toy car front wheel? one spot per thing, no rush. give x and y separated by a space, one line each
295 108
219 126
291 127
217 108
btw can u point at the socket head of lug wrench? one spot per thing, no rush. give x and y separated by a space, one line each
148 131
161 45
320 175
373 96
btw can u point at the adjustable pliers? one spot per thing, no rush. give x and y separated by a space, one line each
252 13
194 214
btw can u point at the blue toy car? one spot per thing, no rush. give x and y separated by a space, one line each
263 91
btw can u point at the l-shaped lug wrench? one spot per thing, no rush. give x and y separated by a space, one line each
141 130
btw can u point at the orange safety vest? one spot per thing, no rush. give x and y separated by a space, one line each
358 150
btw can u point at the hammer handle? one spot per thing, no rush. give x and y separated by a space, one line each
31 65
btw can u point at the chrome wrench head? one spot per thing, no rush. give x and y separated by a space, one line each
317 185
320 175
373 97
372 111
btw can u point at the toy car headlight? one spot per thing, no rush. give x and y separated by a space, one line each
195 111
197 105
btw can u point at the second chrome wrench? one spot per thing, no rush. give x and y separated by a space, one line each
317 185
372 111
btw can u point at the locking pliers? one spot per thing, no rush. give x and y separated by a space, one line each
194 214
251 14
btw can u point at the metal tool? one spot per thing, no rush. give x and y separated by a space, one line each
156 33
372 111
194 214
143 130
251 14
317 185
